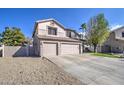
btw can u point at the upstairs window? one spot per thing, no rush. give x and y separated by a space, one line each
122 34
68 34
52 31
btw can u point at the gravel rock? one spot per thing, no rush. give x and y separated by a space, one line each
33 71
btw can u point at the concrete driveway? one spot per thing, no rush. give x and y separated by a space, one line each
91 69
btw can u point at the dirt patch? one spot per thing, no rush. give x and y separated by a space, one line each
33 71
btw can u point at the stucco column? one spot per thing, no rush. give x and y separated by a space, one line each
59 48
81 48
41 48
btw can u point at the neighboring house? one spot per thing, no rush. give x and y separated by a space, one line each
50 38
115 42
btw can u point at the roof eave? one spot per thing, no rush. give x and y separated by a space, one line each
117 29
51 19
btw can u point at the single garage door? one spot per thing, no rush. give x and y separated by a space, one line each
49 49
69 49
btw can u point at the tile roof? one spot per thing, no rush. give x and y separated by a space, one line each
58 38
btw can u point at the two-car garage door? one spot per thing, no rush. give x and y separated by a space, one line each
69 49
51 49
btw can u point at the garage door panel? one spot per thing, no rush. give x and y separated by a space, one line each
49 49
69 49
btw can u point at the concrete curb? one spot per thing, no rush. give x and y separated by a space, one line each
49 60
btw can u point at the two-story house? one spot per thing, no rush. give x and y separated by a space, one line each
115 42
50 38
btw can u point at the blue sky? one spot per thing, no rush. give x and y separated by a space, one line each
69 17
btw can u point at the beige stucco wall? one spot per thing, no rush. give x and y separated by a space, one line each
43 29
16 51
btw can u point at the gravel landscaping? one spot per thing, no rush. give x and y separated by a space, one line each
27 71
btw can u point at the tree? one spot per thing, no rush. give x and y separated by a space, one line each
28 40
12 36
83 27
98 31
